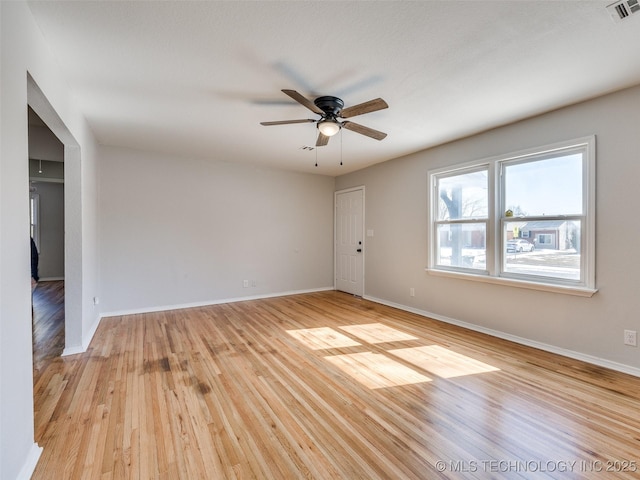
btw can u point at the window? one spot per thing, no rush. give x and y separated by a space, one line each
524 219
34 216
544 239
462 219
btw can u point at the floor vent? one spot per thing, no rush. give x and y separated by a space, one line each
622 10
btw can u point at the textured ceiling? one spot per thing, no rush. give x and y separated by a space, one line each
196 78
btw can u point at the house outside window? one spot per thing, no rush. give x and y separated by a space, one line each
525 218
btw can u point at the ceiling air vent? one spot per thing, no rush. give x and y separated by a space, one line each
622 10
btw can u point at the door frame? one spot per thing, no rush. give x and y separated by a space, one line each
335 234
73 256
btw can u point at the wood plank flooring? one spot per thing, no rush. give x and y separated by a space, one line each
326 386
48 323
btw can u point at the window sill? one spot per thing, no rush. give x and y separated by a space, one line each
510 282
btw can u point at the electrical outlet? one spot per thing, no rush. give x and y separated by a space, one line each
412 292
245 283
631 338
254 283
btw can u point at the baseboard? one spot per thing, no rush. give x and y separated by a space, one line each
30 463
50 279
73 350
181 306
601 362
86 340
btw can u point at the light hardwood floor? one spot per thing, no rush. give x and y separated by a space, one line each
326 386
48 323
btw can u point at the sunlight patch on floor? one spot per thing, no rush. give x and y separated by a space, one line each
442 362
322 338
375 370
377 333
380 370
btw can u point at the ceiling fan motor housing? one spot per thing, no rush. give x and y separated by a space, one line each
329 105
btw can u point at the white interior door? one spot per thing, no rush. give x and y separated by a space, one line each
349 251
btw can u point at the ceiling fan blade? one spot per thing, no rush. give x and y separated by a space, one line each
361 129
304 101
322 140
366 107
286 122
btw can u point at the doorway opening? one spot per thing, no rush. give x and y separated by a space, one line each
46 216
73 264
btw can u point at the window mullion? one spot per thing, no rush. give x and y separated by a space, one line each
493 227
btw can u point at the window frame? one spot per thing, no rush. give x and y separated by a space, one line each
436 221
34 217
495 240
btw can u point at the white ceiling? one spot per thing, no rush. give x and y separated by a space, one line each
196 78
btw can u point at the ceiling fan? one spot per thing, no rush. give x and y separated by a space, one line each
331 110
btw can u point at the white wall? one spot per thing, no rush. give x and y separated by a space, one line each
51 259
183 231
43 144
24 52
396 257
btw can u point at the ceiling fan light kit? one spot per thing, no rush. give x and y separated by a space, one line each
330 110
329 127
